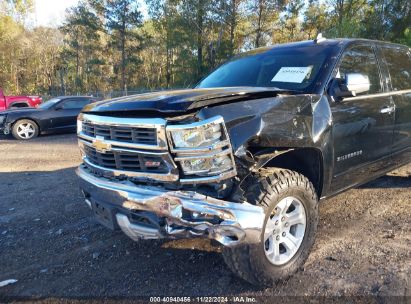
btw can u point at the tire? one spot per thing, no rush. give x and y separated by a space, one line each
20 126
257 263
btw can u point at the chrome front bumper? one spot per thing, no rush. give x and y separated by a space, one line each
183 214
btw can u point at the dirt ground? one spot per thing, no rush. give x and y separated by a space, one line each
54 249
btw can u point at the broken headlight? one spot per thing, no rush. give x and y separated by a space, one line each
197 136
202 148
207 166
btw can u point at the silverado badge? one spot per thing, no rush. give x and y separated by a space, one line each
100 145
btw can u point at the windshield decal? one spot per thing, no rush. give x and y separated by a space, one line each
292 74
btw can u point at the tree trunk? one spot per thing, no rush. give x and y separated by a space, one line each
123 59
259 23
168 68
200 20
233 25
168 65
63 87
77 67
340 9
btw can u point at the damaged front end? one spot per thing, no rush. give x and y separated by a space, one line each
5 126
174 214
161 179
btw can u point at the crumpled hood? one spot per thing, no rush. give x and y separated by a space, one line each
180 101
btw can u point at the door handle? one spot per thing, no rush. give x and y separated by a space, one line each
387 110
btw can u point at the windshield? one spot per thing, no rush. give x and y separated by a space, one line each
49 103
288 68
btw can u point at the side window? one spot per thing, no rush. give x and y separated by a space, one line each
399 66
75 103
361 59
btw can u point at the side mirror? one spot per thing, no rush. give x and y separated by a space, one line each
58 108
353 84
357 83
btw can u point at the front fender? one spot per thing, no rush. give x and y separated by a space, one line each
283 121
280 123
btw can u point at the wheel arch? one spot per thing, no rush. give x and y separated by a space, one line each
306 161
25 103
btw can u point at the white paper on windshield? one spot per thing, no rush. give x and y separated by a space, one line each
292 74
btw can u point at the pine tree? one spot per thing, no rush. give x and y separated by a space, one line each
81 31
123 20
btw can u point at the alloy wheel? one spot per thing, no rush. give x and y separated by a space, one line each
26 130
284 231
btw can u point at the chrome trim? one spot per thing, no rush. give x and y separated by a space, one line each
214 146
166 177
122 144
123 121
135 231
222 147
237 222
387 110
156 123
209 179
384 94
159 150
88 202
115 149
180 157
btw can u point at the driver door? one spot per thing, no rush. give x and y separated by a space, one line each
66 112
363 125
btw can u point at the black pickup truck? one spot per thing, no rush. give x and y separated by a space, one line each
245 156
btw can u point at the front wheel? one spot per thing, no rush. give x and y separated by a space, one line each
291 207
25 129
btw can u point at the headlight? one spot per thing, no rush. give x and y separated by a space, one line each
200 136
207 166
79 126
196 135
202 148
2 119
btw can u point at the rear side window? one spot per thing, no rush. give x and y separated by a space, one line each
399 66
75 103
361 59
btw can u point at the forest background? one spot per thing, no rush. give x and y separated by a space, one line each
117 47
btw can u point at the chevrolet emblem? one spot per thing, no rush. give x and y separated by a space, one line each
100 145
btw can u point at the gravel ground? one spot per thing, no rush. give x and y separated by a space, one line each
50 243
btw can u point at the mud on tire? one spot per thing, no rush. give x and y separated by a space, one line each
250 261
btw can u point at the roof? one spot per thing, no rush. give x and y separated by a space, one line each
73 96
332 42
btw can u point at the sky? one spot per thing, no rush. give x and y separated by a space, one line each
52 12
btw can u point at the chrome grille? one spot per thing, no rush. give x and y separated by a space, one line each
139 135
138 148
136 162
120 146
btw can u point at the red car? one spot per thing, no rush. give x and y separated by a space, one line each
7 102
